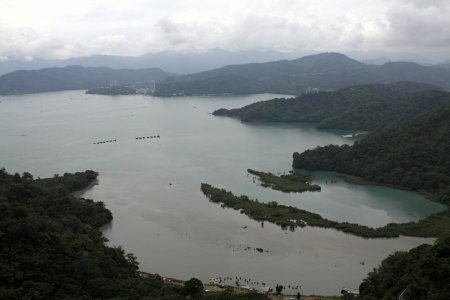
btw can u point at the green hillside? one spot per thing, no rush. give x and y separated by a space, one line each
421 273
73 78
323 71
51 247
413 155
364 107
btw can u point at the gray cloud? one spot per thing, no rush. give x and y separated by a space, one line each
421 4
135 27
419 27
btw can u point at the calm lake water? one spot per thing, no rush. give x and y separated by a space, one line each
152 186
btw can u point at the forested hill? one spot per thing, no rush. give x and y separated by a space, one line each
51 246
323 71
414 155
364 107
421 273
73 78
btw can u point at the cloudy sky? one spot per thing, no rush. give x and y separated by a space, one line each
32 29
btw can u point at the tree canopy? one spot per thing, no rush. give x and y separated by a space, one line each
365 107
414 155
421 273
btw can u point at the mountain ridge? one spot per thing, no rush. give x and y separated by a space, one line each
363 107
323 71
72 78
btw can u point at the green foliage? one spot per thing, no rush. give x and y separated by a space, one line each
365 107
294 182
323 71
292 217
51 246
421 273
413 155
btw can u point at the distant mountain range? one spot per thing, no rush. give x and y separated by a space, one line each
175 62
322 71
326 71
72 78
445 64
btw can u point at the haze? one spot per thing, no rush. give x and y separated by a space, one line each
49 29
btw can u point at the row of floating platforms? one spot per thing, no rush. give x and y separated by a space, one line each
137 138
148 137
104 142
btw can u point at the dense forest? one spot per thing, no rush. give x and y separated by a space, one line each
364 107
413 155
421 273
52 248
323 71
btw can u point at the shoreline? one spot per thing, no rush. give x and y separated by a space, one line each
215 288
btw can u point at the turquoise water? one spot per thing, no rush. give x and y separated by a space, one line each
152 186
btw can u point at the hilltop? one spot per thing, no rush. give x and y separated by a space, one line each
363 107
73 78
325 71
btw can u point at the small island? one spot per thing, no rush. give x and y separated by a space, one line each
288 183
292 217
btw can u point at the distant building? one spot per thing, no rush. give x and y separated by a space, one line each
310 90
113 83
152 87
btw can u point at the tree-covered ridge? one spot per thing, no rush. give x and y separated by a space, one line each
323 71
73 78
414 155
51 246
421 273
364 107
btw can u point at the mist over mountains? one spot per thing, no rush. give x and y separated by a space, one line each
73 78
175 62
319 72
194 62
325 71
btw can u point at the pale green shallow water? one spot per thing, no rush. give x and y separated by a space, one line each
173 229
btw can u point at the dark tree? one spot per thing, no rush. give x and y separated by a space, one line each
279 288
193 287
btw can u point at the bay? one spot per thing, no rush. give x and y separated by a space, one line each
152 186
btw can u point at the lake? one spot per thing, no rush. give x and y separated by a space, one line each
152 186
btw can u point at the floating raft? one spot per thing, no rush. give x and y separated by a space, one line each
148 137
104 142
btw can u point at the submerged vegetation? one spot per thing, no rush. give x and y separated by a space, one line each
291 217
294 182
